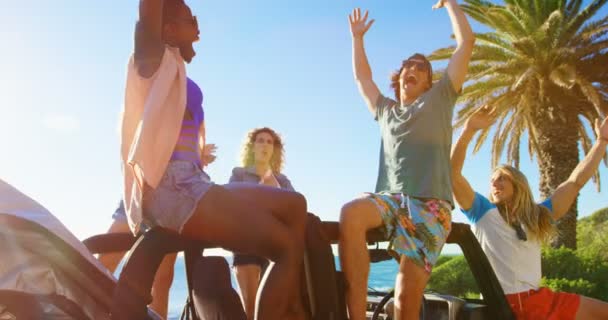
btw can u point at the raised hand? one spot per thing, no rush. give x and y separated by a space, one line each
358 24
208 155
481 118
439 4
601 129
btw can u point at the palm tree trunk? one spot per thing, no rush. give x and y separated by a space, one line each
557 158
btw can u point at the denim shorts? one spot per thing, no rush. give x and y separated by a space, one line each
120 214
176 197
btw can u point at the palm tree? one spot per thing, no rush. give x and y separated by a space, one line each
544 66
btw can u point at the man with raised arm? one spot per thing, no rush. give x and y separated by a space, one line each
413 196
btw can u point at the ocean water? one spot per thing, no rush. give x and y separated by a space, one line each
382 277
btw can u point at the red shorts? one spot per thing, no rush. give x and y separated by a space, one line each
544 304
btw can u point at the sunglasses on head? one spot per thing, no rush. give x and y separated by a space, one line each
521 234
420 65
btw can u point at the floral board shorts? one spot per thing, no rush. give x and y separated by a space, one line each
415 228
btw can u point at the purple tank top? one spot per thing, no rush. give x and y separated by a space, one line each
187 147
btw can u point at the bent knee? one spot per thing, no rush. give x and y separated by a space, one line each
411 281
284 244
297 212
359 215
299 201
298 206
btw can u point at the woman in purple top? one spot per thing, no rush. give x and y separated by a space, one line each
188 149
253 219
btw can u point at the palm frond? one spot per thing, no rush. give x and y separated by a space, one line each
592 49
525 78
532 137
500 139
564 76
493 39
586 144
573 7
491 54
441 54
591 30
590 92
514 144
505 21
527 46
579 19
550 30
481 138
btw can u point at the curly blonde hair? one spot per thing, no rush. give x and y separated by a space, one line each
278 155
536 218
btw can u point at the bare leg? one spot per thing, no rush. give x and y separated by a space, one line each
248 279
592 309
409 288
296 309
111 260
162 280
268 222
162 285
356 218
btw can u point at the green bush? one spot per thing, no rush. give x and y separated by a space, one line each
585 270
453 277
561 263
592 234
579 286
443 259
582 272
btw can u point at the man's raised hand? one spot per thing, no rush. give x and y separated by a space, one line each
359 24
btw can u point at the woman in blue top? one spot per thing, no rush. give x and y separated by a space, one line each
262 161
511 227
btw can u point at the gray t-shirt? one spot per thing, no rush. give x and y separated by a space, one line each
249 175
416 143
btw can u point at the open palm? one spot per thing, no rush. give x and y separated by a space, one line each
208 155
439 4
481 118
359 24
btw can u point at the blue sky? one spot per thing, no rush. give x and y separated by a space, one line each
283 64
